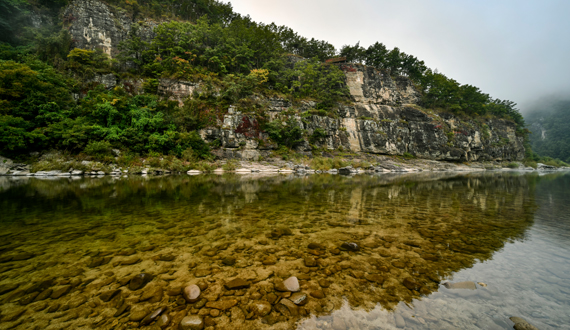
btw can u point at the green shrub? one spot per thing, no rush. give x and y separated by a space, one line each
288 135
231 165
318 135
530 163
215 144
154 162
513 165
203 166
555 162
98 149
325 164
189 155
150 86
361 164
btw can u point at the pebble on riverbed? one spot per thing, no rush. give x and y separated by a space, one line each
522 324
289 285
460 285
350 246
139 281
191 293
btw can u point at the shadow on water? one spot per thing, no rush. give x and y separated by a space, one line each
84 237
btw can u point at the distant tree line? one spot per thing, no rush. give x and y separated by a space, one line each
554 119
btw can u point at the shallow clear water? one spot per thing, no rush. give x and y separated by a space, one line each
508 232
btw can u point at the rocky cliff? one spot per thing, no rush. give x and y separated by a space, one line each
382 118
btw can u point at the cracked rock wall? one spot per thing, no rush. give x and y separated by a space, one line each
383 119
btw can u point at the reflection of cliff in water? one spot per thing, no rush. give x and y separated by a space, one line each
413 231
553 200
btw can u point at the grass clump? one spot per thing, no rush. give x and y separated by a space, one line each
513 165
231 165
325 163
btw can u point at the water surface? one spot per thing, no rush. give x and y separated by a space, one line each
506 231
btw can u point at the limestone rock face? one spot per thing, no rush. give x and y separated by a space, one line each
95 25
384 119
373 86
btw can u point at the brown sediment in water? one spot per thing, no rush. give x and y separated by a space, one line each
73 253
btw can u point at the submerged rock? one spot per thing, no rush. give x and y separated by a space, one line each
4 288
399 264
138 313
153 295
108 295
163 321
222 304
40 286
126 252
350 246
229 261
289 285
214 313
95 262
131 261
191 293
236 284
153 316
53 308
23 256
261 308
374 278
166 257
461 285
28 299
77 301
60 292
291 308
316 246
310 262
202 272
317 294
278 232
123 308
191 322
411 284
44 295
299 298
522 324
269 260
139 281
324 283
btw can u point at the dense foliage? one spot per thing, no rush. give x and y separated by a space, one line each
50 96
553 118
37 112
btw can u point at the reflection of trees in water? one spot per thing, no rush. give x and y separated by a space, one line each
413 230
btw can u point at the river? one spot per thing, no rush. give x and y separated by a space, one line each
388 251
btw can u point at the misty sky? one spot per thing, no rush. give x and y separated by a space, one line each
512 49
